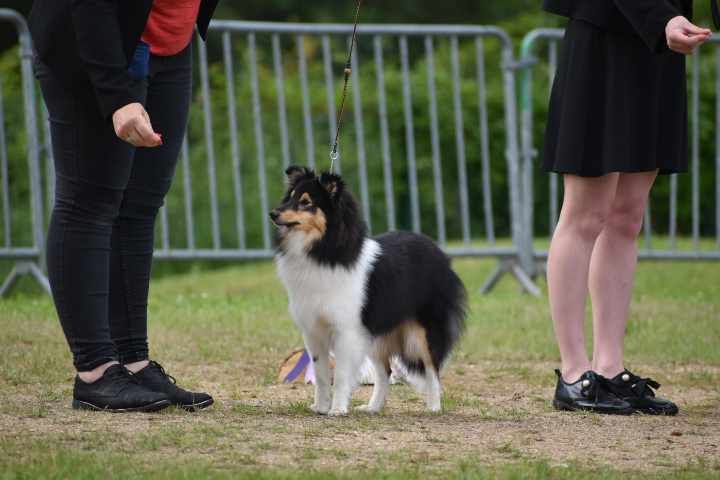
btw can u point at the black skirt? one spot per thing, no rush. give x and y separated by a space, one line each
616 106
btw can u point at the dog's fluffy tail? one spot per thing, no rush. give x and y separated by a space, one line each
444 317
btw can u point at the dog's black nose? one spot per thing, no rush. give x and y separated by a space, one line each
274 215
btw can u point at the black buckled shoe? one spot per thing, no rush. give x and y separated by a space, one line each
589 393
639 393
117 391
155 378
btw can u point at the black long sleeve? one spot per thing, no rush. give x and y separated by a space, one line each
649 19
100 48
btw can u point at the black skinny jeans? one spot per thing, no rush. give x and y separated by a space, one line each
108 193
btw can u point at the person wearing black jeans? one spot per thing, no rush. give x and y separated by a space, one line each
113 73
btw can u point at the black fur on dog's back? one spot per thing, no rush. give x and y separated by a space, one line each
412 281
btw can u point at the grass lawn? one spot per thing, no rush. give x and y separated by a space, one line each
227 330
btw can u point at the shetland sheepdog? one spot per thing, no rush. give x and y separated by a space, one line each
385 298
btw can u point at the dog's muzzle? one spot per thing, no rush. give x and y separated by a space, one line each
275 217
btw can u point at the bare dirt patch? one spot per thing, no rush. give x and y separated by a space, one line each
494 414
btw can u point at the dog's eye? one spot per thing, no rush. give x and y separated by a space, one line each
305 202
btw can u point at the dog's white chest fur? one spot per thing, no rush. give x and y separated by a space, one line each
320 293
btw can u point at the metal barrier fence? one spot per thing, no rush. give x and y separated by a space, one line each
275 86
28 253
285 47
698 250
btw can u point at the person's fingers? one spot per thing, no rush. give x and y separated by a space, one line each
680 40
147 136
125 131
132 138
695 30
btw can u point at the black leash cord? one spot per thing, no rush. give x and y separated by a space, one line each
334 155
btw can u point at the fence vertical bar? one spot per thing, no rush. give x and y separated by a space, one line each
164 228
234 143
552 69
522 238
209 144
435 142
49 160
188 195
259 141
647 227
360 134
410 135
460 140
717 146
33 144
696 151
384 134
330 94
282 107
673 211
4 181
305 92
484 140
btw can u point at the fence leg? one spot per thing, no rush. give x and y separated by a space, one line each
513 267
21 269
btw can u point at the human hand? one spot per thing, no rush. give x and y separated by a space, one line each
132 125
684 37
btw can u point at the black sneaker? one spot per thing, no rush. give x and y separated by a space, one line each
117 391
589 393
154 377
639 393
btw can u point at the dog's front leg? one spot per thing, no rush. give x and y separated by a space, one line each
318 346
351 348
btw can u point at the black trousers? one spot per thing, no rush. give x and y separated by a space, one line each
108 193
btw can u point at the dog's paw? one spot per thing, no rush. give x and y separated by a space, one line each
368 409
320 411
336 412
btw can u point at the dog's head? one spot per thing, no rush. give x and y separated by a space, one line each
309 205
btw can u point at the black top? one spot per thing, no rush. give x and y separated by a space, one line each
93 41
645 18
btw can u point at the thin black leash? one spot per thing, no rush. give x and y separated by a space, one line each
334 155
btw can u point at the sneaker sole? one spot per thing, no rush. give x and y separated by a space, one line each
197 406
151 407
566 407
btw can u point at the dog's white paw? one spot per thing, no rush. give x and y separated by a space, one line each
368 409
336 412
320 411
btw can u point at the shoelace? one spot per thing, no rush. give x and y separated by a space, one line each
593 390
642 386
125 376
162 371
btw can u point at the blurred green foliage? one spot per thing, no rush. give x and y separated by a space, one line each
517 17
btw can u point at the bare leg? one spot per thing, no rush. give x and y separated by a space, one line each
380 388
612 270
318 347
350 349
586 207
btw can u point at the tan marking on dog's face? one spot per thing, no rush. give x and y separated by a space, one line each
312 224
306 198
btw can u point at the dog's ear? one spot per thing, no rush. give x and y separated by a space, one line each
295 173
333 184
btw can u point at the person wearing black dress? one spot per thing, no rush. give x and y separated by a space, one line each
617 119
116 78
